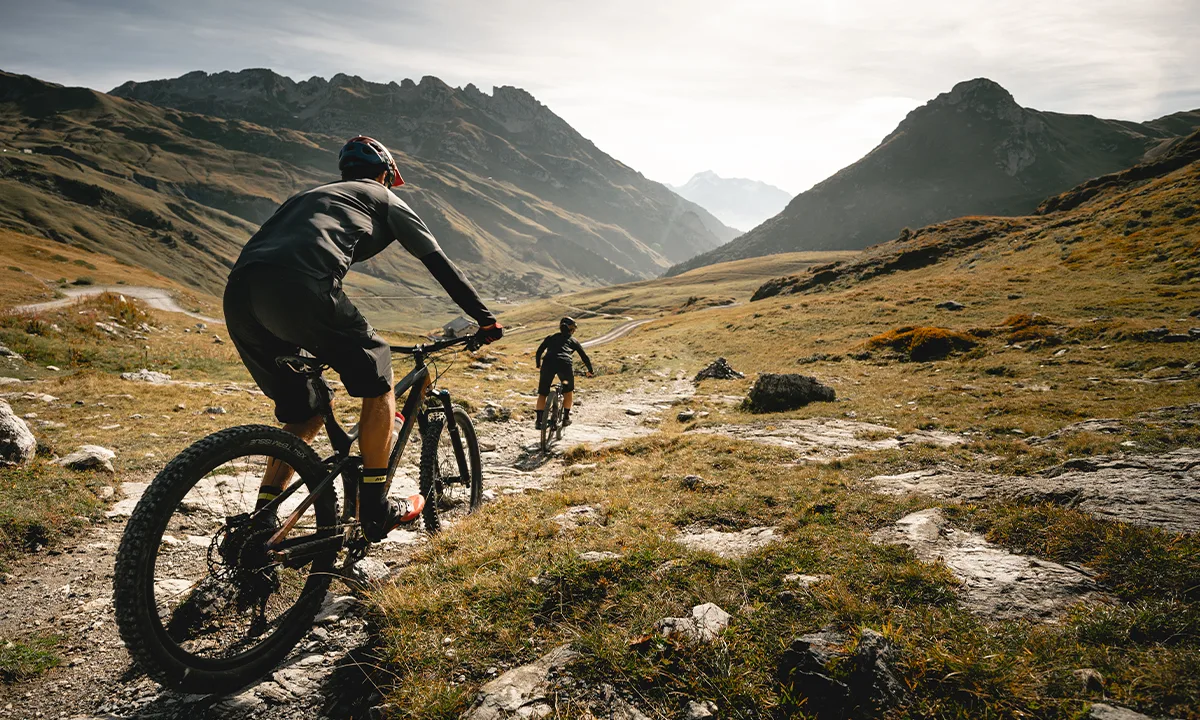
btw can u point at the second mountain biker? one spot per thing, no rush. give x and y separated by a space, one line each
558 349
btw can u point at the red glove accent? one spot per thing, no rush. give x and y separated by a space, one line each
490 333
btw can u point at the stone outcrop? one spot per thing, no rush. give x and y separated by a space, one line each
720 369
786 391
995 583
17 443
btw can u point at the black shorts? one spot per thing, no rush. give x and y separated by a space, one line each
564 371
271 311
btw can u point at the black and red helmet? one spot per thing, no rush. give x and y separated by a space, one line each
363 151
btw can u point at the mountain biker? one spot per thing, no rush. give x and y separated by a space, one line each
285 294
558 348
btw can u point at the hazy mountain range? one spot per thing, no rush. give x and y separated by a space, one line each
176 174
970 151
737 202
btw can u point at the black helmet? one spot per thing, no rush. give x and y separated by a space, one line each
566 324
363 151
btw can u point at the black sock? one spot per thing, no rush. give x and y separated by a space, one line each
371 494
540 414
265 495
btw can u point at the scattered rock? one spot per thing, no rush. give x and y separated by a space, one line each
201 326
598 556
686 415
828 438
1109 426
89 457
521 692
634 411
147 376
215 410
872 685
1102 711
1090 679
574 517
52 368
5 352
801 580
774 392
107 492
335 608
494 412
704 710
995 582
818 357
369 570
17 443
614 707
950 305
719 370
728 544
707 621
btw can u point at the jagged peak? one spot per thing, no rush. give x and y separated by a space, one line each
977 91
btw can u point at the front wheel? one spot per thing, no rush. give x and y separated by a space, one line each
450 488
200 604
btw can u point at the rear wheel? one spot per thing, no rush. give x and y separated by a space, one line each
548 420
200 605
449 489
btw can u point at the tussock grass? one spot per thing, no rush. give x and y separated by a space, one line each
921 344
505 586
23 659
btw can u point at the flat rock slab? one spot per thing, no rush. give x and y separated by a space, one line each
728 544
996 583
829 438
1158 490
521 692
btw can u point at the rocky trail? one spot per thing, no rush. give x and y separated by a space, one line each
67 593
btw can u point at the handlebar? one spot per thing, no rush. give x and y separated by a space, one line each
469 340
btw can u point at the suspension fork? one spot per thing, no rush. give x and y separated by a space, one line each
460 455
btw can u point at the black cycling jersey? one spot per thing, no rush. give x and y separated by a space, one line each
322 231
558 348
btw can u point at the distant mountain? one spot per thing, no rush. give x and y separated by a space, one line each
507 139
971 151
737 202
519 199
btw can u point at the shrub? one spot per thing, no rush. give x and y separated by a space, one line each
922 344
85 280
83 263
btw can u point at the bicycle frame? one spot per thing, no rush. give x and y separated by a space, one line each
417 384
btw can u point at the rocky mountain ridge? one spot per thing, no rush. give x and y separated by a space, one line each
179 192
970 151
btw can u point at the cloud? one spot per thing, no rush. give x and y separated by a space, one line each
783 91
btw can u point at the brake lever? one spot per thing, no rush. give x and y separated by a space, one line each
474 344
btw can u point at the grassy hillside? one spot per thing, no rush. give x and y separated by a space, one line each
1056 311
179 193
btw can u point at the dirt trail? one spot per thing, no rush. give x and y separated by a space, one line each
615 333
68 593
156 298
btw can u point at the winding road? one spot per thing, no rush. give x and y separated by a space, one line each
156 298
617 332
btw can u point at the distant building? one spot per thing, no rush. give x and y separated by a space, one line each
27 151
458 327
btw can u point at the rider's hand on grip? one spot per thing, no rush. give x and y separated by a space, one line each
489 333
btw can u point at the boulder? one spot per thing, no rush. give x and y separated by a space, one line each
493 412
17 443
89 457
147 376
774 392
872 685
5 352
707 621
523 691
950 305
719 370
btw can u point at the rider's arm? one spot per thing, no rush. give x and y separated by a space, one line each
582 355
537 359
417 240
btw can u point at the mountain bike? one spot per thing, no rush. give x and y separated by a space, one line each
552 419
211 594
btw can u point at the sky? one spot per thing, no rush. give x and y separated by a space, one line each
785 91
